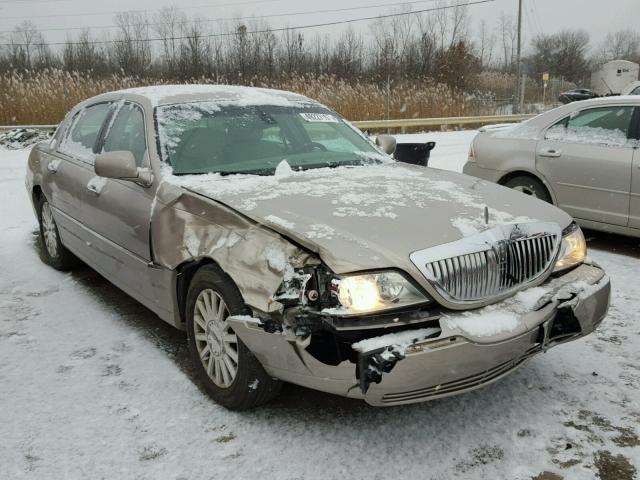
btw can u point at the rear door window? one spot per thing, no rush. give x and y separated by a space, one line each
84 131
603 126
127 132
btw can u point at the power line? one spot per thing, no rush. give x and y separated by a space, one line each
268 30
215 5
223 19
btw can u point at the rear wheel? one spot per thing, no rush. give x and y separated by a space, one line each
53 252
529 186
230 373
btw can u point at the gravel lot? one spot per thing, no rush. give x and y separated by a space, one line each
94 386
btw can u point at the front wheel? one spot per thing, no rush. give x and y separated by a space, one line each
230 373
53 252
529 186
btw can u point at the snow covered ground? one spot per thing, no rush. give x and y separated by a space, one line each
93 386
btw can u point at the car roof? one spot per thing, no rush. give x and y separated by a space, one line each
614 99
545 119
228 94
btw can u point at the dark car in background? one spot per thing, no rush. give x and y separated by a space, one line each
576 95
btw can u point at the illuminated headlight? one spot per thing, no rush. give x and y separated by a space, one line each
573 250
375 292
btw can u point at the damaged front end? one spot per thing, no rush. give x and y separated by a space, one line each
414 352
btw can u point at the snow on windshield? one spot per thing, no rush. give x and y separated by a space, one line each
204 137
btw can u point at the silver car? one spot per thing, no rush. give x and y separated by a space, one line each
290 248
582 157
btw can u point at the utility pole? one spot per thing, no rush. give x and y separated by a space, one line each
519 60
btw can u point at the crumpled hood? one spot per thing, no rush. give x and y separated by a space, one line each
370 217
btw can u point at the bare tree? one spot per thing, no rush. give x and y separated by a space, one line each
23 42
293 49
508 32
170 23
487 42
620 45
131 50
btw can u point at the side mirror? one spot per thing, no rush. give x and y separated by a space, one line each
387 143
120 165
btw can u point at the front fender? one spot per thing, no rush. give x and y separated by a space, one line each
187 227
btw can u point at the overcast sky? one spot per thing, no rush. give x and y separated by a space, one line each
597 17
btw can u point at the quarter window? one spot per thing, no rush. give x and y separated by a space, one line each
604 126
84 131
127 132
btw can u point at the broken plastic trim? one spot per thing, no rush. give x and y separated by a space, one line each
371 365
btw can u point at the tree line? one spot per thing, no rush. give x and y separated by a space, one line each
440 45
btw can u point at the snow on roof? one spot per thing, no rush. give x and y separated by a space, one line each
242 96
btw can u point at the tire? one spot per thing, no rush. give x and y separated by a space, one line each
53 252
529 186
213 345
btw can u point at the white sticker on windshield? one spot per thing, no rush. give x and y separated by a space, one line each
320 117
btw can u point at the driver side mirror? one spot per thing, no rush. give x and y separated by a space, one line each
121 165
387 143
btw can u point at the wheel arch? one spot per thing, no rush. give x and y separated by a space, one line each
527 173
184 274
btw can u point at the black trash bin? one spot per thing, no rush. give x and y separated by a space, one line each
414 153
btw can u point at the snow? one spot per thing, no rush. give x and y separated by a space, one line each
451 150
283 170
319 230
228 94
95 386
590 136
279 221
399 341
376 190
486 323
96 184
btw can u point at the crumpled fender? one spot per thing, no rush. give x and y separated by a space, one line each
188 227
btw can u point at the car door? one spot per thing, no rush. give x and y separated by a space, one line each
587 158
634 206
117 212
69 167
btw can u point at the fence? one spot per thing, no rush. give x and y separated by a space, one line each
401 124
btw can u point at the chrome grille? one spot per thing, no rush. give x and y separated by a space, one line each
491 264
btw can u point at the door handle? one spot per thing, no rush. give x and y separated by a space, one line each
551 153
94 189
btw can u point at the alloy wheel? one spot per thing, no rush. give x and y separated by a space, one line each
49 231
216 342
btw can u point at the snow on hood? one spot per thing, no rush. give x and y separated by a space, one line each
373 216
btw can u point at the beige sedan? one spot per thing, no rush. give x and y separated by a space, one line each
291 249
582 157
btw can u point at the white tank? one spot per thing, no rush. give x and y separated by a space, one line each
614 76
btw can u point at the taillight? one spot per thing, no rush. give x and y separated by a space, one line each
472 154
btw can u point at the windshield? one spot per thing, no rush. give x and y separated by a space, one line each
205 137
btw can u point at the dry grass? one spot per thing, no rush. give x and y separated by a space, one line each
44 97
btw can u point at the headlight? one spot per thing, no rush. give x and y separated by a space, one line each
573 250
374 292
